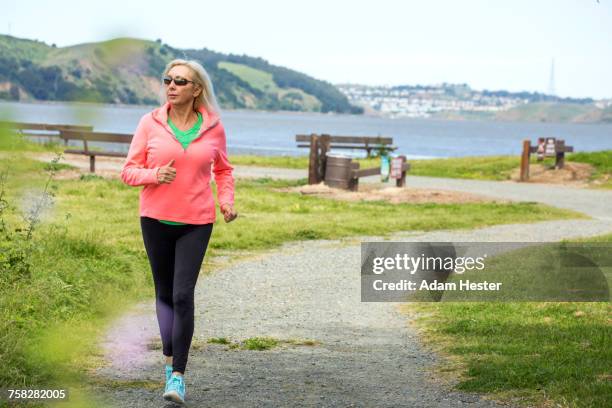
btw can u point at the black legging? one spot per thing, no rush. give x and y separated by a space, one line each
175 253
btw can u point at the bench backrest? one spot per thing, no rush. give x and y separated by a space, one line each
96 136
43 127
550 147
366 140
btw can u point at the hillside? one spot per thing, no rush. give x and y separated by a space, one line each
537 112
127 70
556 112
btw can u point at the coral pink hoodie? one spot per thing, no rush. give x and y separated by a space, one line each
188 198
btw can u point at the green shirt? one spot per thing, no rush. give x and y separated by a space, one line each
185 137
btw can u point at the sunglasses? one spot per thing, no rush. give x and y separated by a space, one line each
178 81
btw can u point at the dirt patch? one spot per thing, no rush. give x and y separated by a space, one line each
577 174
394 195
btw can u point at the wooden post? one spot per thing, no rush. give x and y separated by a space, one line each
313 163
92 158
398 170
525 160
560 154
401 182
324 147
353 181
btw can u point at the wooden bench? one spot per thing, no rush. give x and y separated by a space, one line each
320 145
42 129
95 137
546 147
367 143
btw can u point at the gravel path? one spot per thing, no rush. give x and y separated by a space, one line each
364 354
595 203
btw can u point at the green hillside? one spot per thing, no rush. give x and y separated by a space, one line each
551 112
127 70
264 81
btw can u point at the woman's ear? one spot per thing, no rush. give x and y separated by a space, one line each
197 92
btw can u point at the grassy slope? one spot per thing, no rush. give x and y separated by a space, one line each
546 112
88 260
121 63
264 81
535 112
257 78
543 354
21 48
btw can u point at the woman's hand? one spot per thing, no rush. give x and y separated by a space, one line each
166 173
229 214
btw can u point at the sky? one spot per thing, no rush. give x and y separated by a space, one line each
501 44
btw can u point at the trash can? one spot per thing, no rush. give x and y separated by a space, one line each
385 167
338 171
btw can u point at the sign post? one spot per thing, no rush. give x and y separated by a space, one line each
546 147
398 170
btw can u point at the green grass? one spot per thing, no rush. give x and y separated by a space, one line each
218 340
259 343
546 272
476 168
500 167
256 78
480 167
286 162
540 353
289 162
601 161
88 261
11 143
268 218
537 353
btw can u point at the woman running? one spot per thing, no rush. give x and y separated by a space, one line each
171 154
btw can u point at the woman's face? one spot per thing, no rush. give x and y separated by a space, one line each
181 95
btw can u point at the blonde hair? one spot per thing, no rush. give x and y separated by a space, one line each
200 77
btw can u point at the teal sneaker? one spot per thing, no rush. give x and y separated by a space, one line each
168 373
175 389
